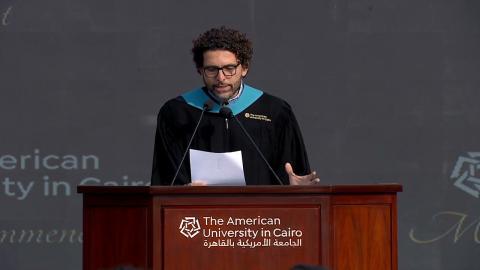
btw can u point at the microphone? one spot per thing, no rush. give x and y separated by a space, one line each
207 106
227 113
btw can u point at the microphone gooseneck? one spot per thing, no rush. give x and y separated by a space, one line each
207 106
227 113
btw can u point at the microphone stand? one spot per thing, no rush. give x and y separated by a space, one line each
206 107
227 112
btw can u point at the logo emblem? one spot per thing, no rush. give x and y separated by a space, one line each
189 227
257 117
467 173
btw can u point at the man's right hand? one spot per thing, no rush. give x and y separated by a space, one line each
197 183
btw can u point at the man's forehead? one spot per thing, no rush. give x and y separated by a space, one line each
219 56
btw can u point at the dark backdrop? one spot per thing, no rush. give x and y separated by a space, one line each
384 91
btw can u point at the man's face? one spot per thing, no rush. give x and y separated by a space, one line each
221 82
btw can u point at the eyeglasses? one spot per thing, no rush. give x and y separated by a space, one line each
228 70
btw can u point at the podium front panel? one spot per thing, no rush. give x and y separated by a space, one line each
236 237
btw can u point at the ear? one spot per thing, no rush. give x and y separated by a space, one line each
244 71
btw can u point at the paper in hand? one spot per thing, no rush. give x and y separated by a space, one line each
217 169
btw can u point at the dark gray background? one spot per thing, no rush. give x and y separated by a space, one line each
384 91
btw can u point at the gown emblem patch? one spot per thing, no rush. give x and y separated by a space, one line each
257 117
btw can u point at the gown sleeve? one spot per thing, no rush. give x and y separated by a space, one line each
291 147
167 151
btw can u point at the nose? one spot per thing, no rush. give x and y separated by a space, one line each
220 75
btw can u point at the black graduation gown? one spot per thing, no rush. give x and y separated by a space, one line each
269 120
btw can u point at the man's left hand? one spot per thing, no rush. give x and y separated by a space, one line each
295 180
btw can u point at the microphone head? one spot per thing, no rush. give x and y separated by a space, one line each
226 112
208 105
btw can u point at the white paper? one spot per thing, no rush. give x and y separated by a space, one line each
217 169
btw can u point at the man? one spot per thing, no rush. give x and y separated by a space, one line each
222 57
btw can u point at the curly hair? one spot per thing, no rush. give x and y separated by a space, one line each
223 39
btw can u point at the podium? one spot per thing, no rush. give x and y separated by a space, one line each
342 227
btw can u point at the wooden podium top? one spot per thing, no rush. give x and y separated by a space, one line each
315 189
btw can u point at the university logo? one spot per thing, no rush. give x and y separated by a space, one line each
189 227
257 117
467 173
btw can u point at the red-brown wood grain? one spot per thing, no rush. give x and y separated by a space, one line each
345 227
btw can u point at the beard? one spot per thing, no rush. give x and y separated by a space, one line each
224 91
